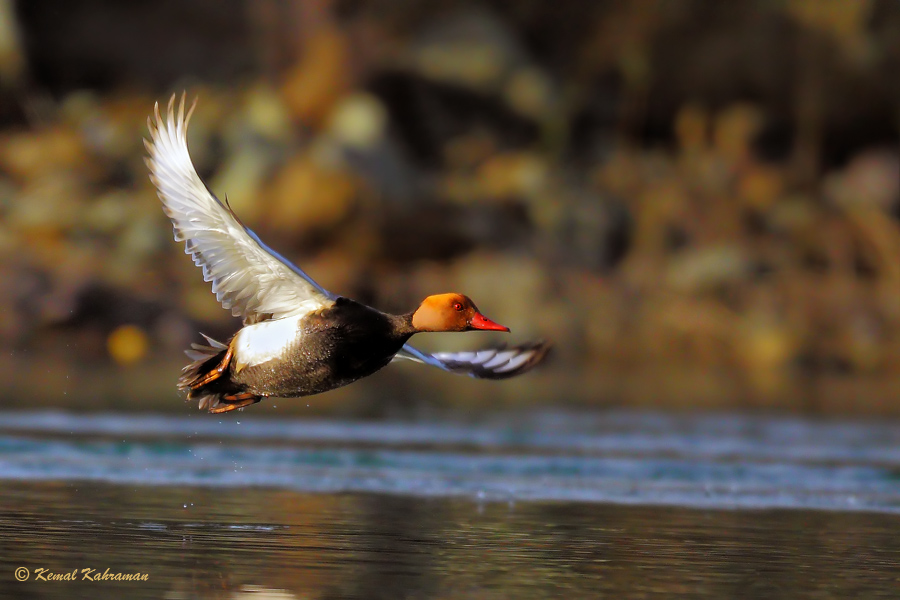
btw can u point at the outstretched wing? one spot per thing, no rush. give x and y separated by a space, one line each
247 276
495 363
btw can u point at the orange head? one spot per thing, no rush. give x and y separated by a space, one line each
451 312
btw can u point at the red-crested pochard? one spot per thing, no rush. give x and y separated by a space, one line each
298 339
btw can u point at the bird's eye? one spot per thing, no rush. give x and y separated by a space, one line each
457 306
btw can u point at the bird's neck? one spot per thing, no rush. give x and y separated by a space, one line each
403 326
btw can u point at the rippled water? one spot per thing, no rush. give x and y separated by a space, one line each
720 462
544 506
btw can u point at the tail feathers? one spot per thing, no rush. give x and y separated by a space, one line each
207 401
206 378
205 359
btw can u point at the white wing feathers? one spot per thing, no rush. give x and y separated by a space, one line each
247 277
495 363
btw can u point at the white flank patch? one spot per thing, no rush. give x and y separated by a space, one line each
262 342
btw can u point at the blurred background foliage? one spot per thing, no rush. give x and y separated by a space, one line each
697 201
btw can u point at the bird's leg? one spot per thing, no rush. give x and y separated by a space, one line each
231 402
215 373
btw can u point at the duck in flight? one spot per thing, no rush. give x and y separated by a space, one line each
297 338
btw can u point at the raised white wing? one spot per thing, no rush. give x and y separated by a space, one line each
495 363
247 276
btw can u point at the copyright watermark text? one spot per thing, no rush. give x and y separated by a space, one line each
86 574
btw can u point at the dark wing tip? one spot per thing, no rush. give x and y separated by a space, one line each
496 363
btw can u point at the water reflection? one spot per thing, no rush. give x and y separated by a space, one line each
215 543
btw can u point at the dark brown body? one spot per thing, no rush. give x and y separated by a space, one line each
335 347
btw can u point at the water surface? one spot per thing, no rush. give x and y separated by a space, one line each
549 505
700 461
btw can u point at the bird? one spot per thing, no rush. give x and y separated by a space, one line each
297 338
